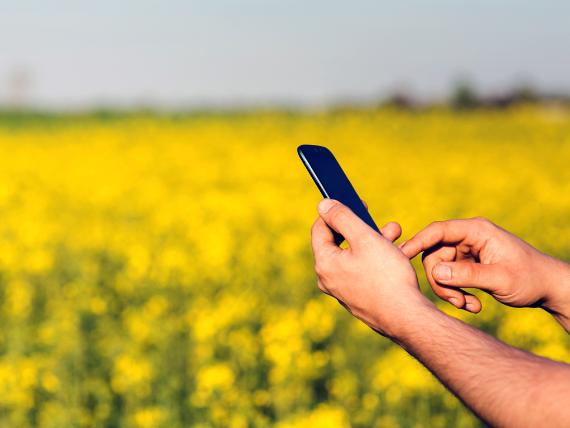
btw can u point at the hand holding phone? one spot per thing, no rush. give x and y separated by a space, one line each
364 277
333 182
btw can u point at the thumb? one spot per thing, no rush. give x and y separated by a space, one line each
343 220
469 275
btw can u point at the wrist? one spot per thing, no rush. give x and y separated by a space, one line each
557 296
406 320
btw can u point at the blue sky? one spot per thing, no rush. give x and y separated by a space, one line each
81 53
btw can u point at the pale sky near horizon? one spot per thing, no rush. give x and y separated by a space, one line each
80 53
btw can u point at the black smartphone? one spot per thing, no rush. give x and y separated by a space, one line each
333 182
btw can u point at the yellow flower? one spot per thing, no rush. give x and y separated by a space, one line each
324 416
157 271
131 373
149 417
215 377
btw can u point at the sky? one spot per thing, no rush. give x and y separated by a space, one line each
226 52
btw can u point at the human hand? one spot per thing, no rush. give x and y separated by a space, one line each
372 278
475 253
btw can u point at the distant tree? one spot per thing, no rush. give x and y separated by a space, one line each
464 96
401 100
518 95
525 94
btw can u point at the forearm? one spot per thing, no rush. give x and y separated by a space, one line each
503 385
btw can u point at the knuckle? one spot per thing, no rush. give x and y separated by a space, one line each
435 230
435 225
482 222
337 214
467 270
471 274
322 266
439 291
367 240
314 228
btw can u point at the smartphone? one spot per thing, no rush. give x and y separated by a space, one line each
333 182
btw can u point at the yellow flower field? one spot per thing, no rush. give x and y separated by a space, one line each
156 272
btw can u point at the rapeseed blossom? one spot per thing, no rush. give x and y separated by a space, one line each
157 272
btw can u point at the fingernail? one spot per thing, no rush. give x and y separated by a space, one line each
454 301
402 244
325 205
470 307
442 272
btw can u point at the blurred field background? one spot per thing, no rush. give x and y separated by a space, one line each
155 264
155 271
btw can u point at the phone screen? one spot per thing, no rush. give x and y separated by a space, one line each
332 181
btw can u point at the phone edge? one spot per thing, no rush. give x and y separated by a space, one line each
321 188
312 172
